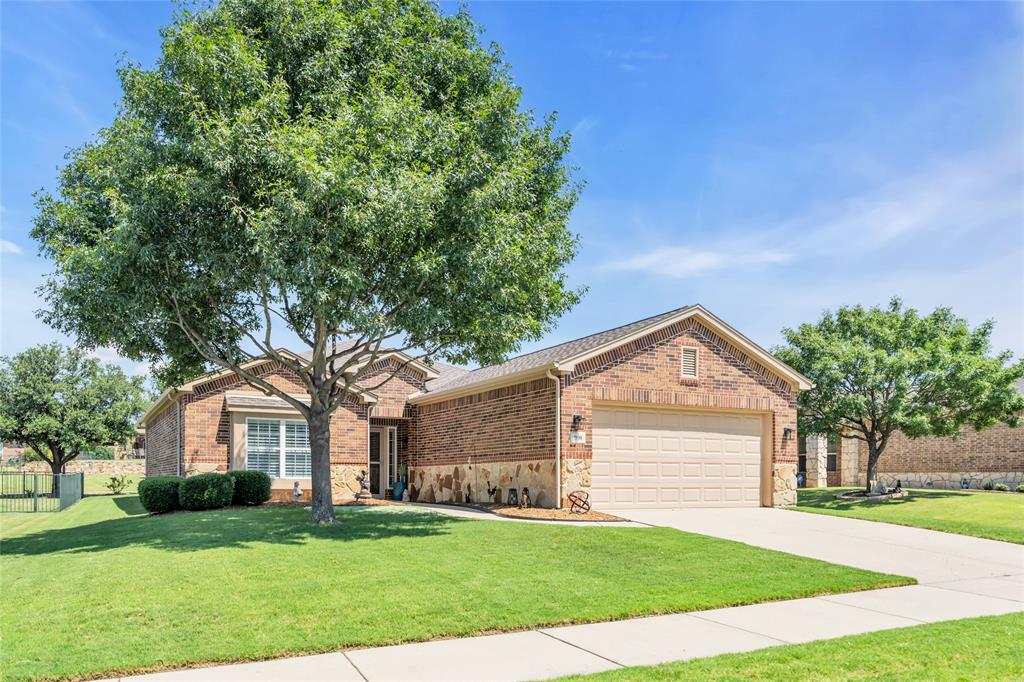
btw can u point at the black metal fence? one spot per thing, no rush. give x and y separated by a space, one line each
27 491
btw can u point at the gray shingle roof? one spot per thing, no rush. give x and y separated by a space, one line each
547 356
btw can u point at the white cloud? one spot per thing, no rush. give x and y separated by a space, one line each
7 246
950 198
678 261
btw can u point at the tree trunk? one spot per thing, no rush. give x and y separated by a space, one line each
320 464
873 453
56 467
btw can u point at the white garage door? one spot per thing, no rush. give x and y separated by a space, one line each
667 458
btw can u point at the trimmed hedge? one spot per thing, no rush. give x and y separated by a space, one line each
206 491
160 493
251 487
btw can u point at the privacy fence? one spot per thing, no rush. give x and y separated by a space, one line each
26 491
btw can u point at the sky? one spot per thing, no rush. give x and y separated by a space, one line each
768 160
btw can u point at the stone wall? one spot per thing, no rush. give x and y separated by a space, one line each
95 467
951 480
472 482
783 484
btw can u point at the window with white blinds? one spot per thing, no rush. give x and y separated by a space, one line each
274 446
689 363
263 446
296 449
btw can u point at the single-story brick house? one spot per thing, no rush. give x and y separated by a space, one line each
675 410
994 455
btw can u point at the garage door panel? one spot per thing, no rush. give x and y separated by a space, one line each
663 458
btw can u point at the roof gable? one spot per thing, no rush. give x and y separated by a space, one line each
563 358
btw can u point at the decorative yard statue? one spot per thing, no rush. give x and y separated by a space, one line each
524 501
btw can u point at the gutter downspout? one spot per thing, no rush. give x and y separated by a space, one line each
558 438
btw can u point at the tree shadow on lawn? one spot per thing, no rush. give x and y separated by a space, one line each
236 527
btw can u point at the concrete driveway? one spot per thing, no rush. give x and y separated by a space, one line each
929 556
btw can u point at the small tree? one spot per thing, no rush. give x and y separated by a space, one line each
881 370
358 172
62 402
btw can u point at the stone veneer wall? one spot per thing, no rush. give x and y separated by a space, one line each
461 483
104 467
950 480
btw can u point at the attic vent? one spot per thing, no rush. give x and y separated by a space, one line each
689 363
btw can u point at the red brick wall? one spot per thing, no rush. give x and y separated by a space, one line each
647 371
207 432
162 443
392 396
512 423
998 449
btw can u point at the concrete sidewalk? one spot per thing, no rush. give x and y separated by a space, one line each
961 577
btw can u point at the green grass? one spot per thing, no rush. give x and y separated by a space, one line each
114 590
96 484
987 648
997 516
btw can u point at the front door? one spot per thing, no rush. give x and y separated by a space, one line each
375 462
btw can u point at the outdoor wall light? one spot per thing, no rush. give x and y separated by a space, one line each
577 422
787 433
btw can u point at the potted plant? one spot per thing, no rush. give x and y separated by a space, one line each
398 487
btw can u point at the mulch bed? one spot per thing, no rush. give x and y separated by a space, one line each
540 514
861 496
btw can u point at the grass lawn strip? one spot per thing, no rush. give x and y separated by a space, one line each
986 648
116 591
996 516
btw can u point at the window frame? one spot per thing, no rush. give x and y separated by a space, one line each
282 446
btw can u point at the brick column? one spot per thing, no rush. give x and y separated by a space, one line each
817 461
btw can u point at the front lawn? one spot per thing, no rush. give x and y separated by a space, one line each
986 648
985 515
96 484
103 588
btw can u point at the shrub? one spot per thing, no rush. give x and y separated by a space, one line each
206 491
160 493
988 485
1002 487
118 484
1020 488
251 487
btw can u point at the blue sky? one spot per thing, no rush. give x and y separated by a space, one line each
767 160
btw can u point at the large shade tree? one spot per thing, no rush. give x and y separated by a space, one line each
61 402
880 370
358 172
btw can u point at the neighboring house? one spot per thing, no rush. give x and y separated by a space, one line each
993 455
675 410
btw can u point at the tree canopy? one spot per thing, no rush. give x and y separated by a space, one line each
62 402
359 172
881 370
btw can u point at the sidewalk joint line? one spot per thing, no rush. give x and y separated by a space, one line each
883 613
354 666
695 614
576 646
975 594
